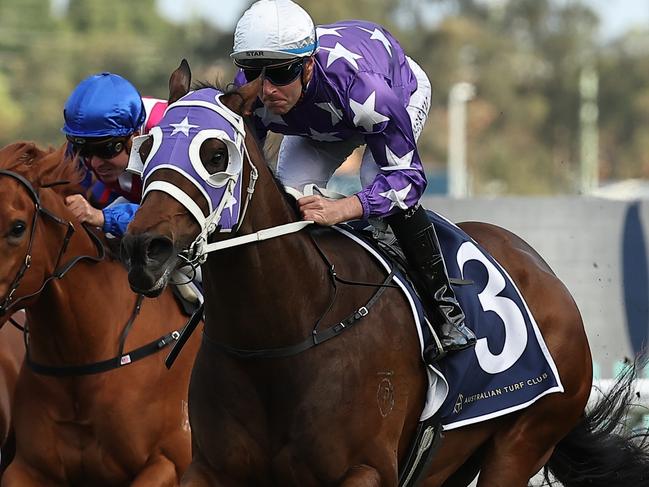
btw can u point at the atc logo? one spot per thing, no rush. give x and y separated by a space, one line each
458 404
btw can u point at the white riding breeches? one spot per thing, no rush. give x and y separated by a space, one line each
303 161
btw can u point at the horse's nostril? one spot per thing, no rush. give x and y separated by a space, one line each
159 249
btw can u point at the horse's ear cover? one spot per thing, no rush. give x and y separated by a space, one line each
135 162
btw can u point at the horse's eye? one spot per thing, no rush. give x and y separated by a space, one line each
219 157
17 229
218 161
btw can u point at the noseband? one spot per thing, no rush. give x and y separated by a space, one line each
8 302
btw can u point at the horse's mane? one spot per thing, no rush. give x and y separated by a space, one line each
42 167
289 199
225 88
216 84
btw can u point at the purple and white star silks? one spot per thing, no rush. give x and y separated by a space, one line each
361 85
177 139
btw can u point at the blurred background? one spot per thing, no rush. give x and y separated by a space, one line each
532 67
539 118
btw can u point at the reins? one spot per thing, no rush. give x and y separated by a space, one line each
198 250
317 337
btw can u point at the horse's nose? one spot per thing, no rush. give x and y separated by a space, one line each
159 250
145 250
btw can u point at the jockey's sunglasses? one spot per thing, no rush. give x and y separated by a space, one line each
277 75
105 149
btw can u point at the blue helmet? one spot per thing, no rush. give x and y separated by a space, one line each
103 105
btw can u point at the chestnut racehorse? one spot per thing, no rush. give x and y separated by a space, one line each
310 418
96 405
12 353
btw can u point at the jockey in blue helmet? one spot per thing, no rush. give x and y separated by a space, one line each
102 115
103 106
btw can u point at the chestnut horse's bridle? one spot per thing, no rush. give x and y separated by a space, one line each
8 302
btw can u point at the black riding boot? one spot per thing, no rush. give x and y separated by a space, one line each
419 243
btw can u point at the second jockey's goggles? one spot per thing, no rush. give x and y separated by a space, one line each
279 74
104 148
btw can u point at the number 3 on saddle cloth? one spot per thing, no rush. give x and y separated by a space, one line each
510 366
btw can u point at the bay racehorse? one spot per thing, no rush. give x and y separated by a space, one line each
12 353
269 409
95 406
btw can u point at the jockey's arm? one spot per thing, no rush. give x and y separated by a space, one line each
388 133
113 219
117 217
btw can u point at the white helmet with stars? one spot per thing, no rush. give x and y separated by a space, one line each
273 31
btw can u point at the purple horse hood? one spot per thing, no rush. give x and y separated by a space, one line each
186 124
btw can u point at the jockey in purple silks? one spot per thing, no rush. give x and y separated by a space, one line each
330 89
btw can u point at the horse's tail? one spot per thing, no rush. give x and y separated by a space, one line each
599 451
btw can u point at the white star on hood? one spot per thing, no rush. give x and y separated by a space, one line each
183 127
324 136
339 51
364 113
336 114
324 31
396 163
398 198
230 206
268 117
377 35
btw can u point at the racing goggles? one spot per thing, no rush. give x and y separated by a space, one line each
103 149
277 75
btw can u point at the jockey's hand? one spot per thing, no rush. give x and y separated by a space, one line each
84 211
325 211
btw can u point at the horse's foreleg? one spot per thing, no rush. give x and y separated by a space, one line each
158 472
361 476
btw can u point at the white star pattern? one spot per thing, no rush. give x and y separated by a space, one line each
268 117
364 113
230 206
323 31
396 163
324 136
336 114
377 35
398 198
339 51
183 127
